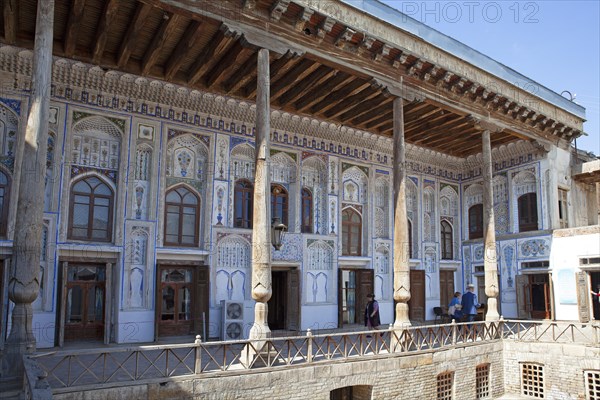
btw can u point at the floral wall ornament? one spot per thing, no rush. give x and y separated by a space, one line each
183 159
139 196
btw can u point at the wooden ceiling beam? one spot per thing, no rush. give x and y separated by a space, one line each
432 126
139 19
215 46
370 114
340 78
106 20
443 133
243 74
426 123
11 20
166 29
278 64
363 107
375 124
364 95
186 43
353 87
228 61
322 73
297 72
73 27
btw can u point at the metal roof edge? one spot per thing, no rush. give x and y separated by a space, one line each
458 49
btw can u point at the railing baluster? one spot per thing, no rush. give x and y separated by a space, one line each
309 345
198 355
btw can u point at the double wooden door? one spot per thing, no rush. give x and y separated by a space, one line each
534 296
85 302
446 287
353 287
182 303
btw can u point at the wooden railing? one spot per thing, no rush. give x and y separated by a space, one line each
95 368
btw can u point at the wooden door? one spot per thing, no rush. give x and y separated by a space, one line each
523 296
202 297
365 281
85 302
416 304
3 313
353 287
539 287
595 278
277 303
446 288
176 297
293 300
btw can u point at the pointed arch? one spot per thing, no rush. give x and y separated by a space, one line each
91 208
182 216
351 232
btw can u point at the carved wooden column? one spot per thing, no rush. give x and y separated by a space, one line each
23 284
261 221
489 233
401 245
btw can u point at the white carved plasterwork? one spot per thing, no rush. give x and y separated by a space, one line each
282 168
9 123
314 178
508 259
319 271
382 206
354 183
96 143
136 285
220 203
501 217
429 225
524 182
50 179
141 183
432 284
242 161
332 186
412 211
187 157
232 269
382 271
333 215
222 157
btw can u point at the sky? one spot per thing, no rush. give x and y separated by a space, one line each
553 42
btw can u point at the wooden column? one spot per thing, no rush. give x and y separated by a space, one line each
401 245
489 233
23 284
598 202
261 219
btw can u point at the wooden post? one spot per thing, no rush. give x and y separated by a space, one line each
23 284
261 221
598 202
401 245
490 262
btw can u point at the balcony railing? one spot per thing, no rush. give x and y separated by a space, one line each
106 367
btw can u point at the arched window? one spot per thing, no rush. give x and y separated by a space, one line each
307 211
279 203
447 245
182 212
528 218
91 207
4 200
476 221
243 204
351 232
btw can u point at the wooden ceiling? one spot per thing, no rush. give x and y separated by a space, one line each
161 41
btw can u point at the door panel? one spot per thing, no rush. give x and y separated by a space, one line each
416 304
539 289
85 302
523 296
201 304
446 287
353 287
365 286
293 300
277 303
176 299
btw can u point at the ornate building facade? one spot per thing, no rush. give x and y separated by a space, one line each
148 207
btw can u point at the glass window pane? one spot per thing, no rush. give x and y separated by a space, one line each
100 217
102 189
189 226
173 197
74 305
185 312
81 199
82 187
172 224
80 216
190 199
3 179
168 304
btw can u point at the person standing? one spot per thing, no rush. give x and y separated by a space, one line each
470 303
455 307
372 313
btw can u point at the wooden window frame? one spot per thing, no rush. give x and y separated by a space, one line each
181 217
307 206
245 189
447 240
90 226
527 212
5 203
410 239
347 232
280 192
475 225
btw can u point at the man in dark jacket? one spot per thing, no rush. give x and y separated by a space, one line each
470 303
372 313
